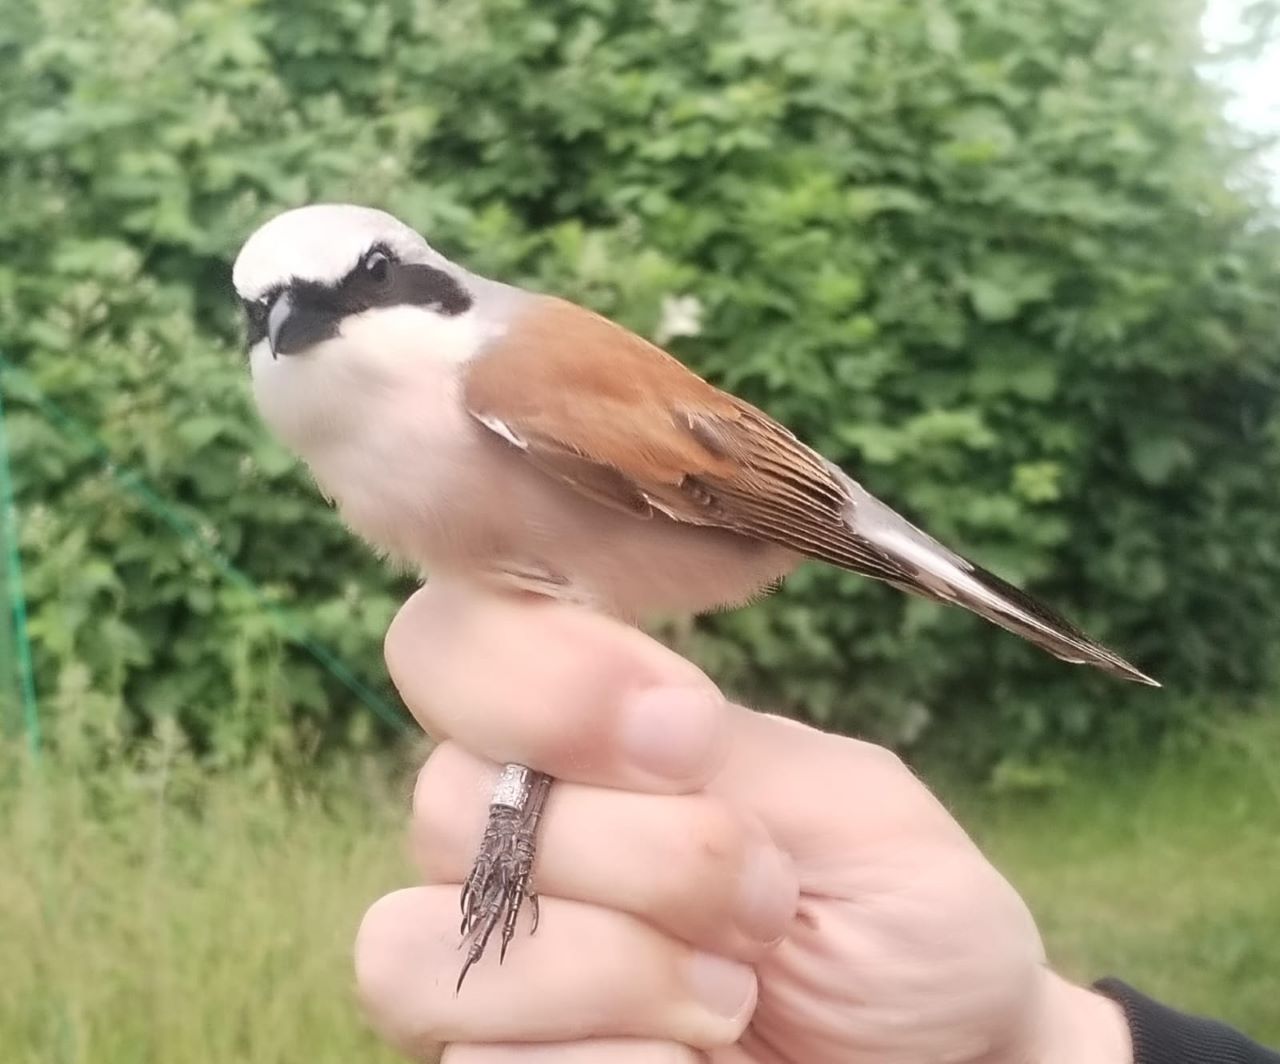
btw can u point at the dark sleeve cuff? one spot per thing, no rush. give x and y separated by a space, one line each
1162 1036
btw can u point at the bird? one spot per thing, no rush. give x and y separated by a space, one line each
516 442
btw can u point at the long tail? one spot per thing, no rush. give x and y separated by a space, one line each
939 573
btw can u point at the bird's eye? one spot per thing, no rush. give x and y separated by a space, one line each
377 266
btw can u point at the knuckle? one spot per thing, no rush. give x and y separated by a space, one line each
376 949
874 756
703 857
399 646
437 783
439 831
715 835
421 642
889 761
384 979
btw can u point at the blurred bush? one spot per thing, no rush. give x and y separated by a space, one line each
999 258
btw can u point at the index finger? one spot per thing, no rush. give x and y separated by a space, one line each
557 688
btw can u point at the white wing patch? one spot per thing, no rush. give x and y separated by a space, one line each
501 428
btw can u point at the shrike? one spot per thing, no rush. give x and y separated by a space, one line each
496 436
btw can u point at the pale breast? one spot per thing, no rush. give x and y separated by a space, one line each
455 500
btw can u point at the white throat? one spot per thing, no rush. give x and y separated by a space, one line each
377 415
380 361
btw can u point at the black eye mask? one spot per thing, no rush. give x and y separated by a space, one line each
317 310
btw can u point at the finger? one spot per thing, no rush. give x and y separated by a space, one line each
587 973
689 864
556 688
595 1051
819 794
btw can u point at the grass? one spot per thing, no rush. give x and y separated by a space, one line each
150 912
152 916
1161 870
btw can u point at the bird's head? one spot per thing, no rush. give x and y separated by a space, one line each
345 306
306 275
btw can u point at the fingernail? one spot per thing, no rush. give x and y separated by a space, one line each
673 732
723 986
767 893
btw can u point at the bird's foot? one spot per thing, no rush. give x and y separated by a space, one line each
500 881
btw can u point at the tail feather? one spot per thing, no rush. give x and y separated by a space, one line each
1017 612
939 573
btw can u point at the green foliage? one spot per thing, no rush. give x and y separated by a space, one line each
997 258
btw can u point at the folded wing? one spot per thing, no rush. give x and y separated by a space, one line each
618 419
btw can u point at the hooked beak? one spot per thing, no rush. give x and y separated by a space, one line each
293 328
277 319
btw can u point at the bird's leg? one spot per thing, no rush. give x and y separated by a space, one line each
500 880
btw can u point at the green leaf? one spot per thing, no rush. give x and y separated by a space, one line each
1157 458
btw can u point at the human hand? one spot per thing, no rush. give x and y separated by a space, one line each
716 884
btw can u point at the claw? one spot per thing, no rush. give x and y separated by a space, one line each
467 910
501 879
466 967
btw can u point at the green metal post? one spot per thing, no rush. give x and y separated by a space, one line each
17 598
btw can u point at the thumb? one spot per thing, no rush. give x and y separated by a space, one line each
820 795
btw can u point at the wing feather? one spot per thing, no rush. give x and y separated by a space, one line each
655 436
